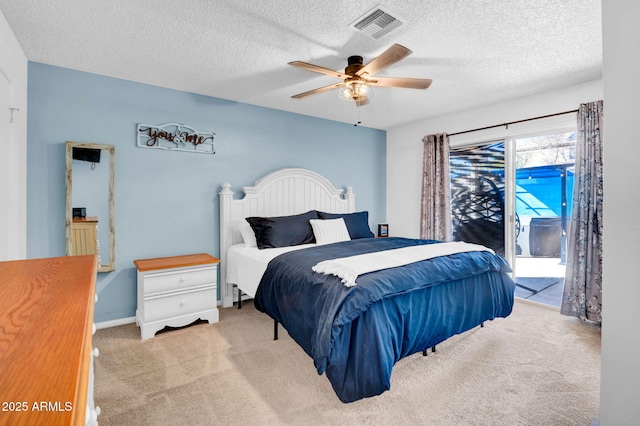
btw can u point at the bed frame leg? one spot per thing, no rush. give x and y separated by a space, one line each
433 350
239 296
275 330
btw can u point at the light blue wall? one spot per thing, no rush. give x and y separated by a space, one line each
166 202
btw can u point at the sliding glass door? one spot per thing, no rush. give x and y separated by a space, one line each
514 196
477 195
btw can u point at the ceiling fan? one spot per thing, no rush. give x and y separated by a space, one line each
358 78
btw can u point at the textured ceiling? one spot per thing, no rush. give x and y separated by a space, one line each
477 52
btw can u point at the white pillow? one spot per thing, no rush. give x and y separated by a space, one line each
248 236
329 231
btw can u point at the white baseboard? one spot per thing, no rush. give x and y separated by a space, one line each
115 323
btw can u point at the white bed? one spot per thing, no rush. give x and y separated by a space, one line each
280 193
246 265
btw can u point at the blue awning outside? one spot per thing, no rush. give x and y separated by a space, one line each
539 190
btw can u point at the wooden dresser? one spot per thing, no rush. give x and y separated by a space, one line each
46 328
176 291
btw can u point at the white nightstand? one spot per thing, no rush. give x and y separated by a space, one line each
176 291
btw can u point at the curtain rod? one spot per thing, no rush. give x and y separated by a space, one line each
513 122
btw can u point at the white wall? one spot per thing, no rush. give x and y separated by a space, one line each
13 146
404 144
620 380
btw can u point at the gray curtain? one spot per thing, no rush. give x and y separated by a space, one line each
435 211
582 296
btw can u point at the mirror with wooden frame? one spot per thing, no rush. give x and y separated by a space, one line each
89 205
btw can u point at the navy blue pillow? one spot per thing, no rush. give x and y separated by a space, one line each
283 231
357 223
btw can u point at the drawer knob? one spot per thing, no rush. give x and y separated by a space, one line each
183 302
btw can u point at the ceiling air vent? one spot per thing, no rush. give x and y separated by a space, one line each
376 23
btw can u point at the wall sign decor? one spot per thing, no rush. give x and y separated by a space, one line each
176 137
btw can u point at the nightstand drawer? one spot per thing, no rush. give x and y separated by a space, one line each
159 282
189 302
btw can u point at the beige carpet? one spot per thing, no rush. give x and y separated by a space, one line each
534 368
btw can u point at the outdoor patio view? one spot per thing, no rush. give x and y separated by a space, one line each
544 186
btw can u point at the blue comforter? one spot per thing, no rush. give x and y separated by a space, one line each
356 334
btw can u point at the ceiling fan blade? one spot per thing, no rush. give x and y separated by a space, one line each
315 68
316 91
386 58
408 83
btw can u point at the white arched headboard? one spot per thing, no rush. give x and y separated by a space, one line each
279 193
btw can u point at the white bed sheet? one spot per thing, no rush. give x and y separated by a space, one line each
246 265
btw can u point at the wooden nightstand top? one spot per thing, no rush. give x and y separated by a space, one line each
174 261
85 219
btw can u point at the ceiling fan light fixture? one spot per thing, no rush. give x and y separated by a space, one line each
356 91
358 79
